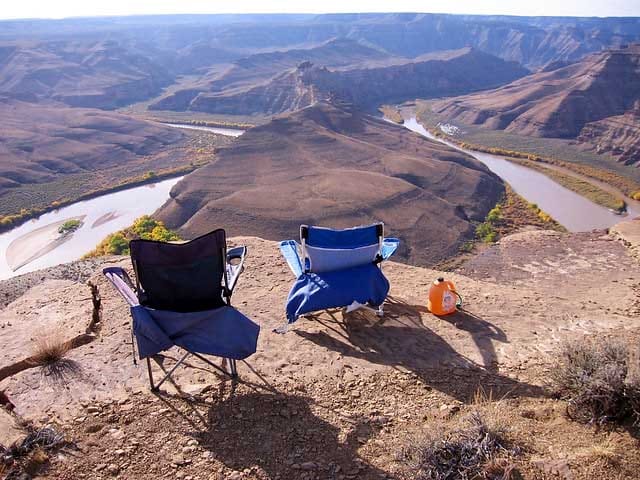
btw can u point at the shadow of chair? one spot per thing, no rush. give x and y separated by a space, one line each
402 341
248 426
482 332
281 436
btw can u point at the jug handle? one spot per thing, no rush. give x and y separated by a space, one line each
460 301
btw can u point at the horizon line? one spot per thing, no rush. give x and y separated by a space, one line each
311 14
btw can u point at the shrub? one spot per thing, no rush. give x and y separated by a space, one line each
161 234
144 227
486 233
69 226
600 380
620 205
118 244
636 195
466 247
491 237
545 217
495 214
476 451
29 457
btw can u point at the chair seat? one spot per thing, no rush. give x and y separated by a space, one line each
318 291
223 332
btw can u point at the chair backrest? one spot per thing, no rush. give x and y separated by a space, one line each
181 277
328 249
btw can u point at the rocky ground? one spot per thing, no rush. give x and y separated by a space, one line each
338 396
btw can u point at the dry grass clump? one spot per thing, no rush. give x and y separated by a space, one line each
600 380
50 353
49 350
476 451
607 452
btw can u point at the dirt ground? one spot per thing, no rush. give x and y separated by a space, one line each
338 396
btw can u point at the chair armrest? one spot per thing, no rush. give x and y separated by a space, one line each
389 247
120 279
234 271
289 250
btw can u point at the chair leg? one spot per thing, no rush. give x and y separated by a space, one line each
217 367
149 371
155 388
233 369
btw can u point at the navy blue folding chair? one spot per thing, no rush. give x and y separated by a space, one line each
337 268
182 297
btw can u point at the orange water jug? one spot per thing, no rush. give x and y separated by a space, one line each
443 298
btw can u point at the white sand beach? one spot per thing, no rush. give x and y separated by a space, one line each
27 248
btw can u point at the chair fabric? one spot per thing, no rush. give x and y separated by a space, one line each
331 259
224 332
329 249
365 284
185 277
346 238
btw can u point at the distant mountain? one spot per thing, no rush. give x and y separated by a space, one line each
333 165
103 74
367 84
112 62
338 52
251 73
594 100
196 41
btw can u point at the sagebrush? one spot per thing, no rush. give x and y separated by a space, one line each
600 381
476 451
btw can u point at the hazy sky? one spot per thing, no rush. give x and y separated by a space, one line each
73 8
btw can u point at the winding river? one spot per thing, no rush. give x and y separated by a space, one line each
229 132
572 210
37 243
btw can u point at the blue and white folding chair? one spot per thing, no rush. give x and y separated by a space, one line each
337 268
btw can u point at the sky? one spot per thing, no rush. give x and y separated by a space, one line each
83 8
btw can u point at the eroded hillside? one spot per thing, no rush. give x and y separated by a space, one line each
334 165
364 78
594 100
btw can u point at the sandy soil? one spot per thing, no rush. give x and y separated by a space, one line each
338 395
33 245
